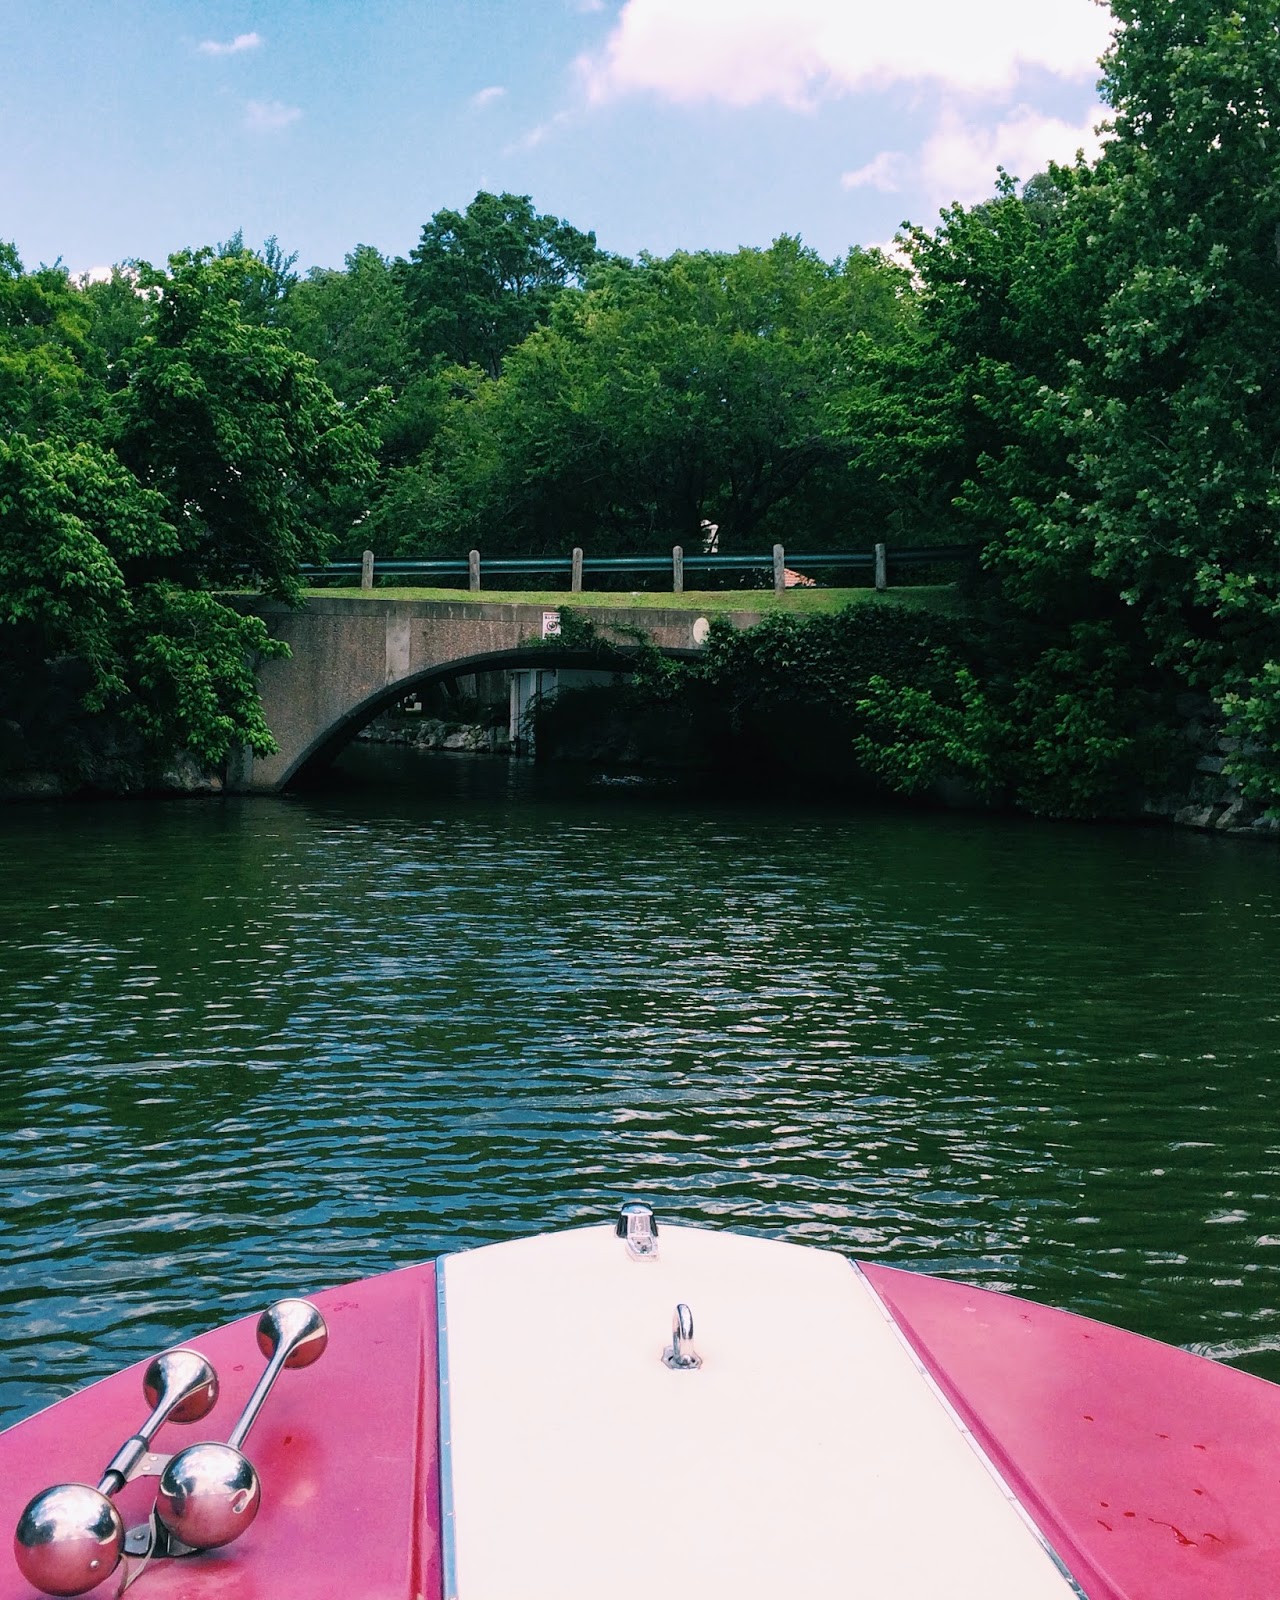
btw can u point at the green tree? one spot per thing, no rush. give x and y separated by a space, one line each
951 416
49 369
672 394
354 323
269 277
965 419
234 428
479 281
72 520
117 313
133 488
78 534
1174 418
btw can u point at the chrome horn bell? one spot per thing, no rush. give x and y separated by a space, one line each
71 1537
209 1493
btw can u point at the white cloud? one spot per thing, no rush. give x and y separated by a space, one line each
486 97
125 271
267 116
885 172
746 52
543 131
959 159
242 41
892 250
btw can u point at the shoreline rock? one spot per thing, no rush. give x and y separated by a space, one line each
435 733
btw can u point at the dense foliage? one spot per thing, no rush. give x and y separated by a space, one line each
1076 378
666 396
899 697
480 281
1081 384
1089 394
159 443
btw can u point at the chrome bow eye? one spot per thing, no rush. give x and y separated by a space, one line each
680 1355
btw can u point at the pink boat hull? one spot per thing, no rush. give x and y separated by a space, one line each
1154 1473
347 1452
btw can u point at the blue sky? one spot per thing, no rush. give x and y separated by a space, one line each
136 127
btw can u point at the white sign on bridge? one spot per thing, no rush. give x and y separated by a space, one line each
550 624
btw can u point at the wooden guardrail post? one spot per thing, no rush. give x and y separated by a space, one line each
366 570
575 576
677 569
473 571
779 569
882 567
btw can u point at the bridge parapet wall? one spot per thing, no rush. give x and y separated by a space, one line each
350 658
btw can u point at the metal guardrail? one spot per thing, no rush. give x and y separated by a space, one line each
786 568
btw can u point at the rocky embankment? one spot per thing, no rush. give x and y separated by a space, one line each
434 733
1211 801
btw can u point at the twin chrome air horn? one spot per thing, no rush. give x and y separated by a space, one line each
71 1537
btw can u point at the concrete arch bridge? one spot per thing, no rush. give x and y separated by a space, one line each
350 659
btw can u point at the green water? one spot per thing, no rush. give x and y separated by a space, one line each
254 1047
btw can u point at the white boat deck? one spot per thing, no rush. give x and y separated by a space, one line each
808 1458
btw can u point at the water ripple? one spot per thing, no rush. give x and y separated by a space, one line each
317 1038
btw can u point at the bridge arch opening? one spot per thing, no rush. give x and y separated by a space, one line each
325 747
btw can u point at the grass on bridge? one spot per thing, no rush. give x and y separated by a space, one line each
798 601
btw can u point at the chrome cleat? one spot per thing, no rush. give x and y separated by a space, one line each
638 1226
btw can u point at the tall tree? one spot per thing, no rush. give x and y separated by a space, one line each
124 507
674 393
170 664
1175 417
269 279
949 415
234 428
479 281
966 420
354 323
117 313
